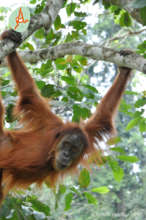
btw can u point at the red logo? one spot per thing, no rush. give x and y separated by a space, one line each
20 19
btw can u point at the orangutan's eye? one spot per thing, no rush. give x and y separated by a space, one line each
74 149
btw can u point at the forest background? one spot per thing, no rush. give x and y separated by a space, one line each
85 37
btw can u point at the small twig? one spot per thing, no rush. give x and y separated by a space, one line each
128 34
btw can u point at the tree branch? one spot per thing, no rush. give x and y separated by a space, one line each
133 60
125 35
45 19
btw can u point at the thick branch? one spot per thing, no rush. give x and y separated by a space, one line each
44 19
133 61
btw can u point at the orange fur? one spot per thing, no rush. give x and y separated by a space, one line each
26 155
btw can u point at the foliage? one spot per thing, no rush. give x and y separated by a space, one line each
69 82
125 19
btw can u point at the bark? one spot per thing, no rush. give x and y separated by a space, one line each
133 60
44 19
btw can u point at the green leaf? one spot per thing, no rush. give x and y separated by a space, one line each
131 159
89 91
132 123
118 175
76 66
79 112
125 19
70 80
84 1
39 7
84 31
59 194
51 35
73 189
57 93
75 93
78 25
117 170
68 201
27 45
113 140
84 178
39 206
70 8
4 82
130 93
124 107
105 3
115 9
83 60
101 190
48 90
143 15
74 35
46 68
57 23
113 164
93 89
40 84
62 189
118 149
137 114
39 34
141 102
9 115
64 99
61 63
91 199
142 125
80 14
142 48
32 1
